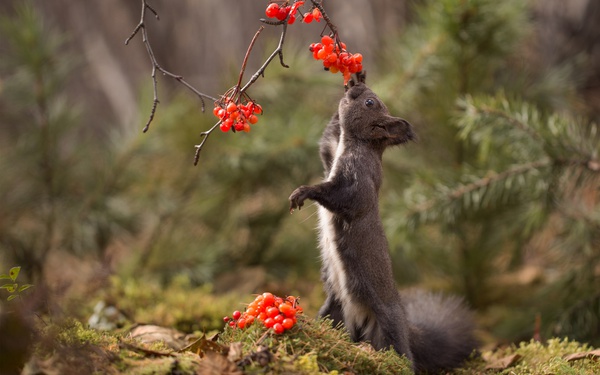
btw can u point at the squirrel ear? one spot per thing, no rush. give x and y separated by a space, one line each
360 78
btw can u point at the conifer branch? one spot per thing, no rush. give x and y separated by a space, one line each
502 114
483 184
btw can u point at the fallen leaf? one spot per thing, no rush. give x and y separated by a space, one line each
217 364
504 363
149 334
204 345
235 352
593 355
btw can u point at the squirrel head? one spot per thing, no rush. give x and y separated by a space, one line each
365 117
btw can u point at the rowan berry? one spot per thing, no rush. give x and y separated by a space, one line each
272 10
282 13
278 318
321 54
336 58
287 310
316 13
268 299
272 312
238 126
231 107
226 125
251 311
287 323
326 40
269 322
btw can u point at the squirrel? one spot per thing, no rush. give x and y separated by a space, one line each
434 332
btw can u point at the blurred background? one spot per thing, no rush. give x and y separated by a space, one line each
498 201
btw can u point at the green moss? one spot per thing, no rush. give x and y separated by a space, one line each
313 345
537 358
185 363
73 333
549 358
178 305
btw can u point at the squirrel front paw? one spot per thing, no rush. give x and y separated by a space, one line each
298 197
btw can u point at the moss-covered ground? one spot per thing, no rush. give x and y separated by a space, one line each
178 329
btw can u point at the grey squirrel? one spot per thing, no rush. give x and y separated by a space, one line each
433 331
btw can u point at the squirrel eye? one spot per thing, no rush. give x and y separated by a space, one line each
369 102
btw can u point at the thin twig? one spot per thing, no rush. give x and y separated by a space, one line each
330 24
204 136
243 69
277 52
147 352
260 72
141 26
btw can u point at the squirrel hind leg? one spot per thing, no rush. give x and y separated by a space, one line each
441 331
332 309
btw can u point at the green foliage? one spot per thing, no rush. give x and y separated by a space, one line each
505 173
521 154
58 181
13 288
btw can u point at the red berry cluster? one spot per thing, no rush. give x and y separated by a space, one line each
281 12
273 312
237 116
336 58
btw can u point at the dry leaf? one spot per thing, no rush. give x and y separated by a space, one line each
504 363
593 355
204 345
217 364
235 352
149 334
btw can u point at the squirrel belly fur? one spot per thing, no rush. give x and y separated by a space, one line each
433 331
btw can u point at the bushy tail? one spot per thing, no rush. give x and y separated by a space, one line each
441 331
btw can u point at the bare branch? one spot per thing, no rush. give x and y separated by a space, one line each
243 69
204 136
141 26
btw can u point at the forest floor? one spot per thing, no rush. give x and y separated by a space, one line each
311 347
139 327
